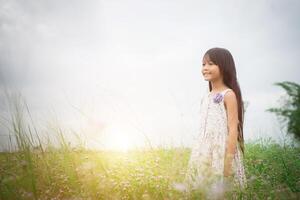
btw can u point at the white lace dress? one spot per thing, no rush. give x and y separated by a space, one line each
206 163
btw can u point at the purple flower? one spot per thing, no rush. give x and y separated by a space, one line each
218 98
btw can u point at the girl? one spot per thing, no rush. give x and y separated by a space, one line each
216 161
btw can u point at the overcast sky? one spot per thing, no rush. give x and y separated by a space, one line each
120 71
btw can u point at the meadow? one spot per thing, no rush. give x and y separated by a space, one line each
33 169
273 172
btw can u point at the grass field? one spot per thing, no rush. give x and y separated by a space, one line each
273 172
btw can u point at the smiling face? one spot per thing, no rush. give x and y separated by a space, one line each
210 70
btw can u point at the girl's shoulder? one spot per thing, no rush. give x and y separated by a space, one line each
226 90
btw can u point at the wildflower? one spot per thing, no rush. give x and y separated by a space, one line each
180 187
218 98
146 195
160 177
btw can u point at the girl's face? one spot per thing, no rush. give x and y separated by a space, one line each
210 70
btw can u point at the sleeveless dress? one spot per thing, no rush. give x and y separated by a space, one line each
206 163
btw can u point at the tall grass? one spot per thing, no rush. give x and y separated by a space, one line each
37 170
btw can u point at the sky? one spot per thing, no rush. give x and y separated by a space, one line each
125 73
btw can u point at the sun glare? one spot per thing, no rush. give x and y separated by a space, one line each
118 140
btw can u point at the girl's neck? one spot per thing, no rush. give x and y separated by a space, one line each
218 87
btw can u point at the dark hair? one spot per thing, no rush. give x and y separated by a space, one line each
224 60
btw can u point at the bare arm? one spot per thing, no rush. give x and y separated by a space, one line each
231 142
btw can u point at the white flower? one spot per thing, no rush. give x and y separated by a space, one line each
180 187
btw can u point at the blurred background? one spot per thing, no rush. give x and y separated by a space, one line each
124 74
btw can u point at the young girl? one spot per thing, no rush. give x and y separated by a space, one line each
216 162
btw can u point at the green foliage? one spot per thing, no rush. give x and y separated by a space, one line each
289 110
273 168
